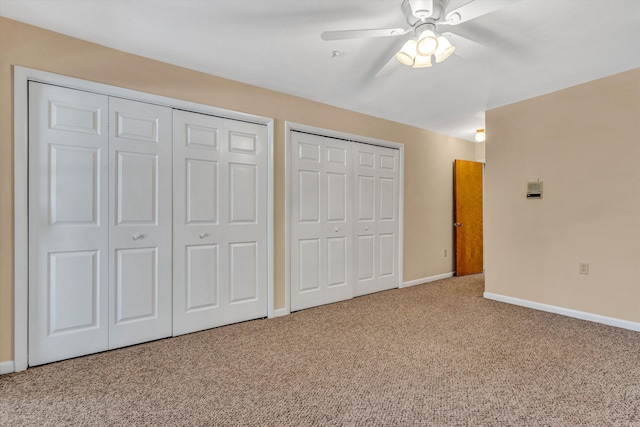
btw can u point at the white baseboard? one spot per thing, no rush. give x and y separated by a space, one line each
6 367
280 312
427 279
611 321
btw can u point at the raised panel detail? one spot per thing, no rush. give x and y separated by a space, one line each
387 162
242 142
201 137
74 185
73 291
202 277
243 271
336 197
337 156
131 126
309 250
137 184
309 152
365 257
366 159
309 199
74 118
365 198
387 200
243 194
202 192
136 284
387 254
337 261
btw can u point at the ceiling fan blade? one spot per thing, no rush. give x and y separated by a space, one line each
474 9
356 34
467 49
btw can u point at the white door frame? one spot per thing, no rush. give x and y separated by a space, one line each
291 126
22 76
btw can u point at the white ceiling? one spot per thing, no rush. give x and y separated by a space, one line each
533 47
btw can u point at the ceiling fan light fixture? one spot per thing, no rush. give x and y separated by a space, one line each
444 49
407 54
422 61
427 43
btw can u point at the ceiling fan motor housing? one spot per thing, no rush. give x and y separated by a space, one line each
421 10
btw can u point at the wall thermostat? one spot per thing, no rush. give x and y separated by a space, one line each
534 190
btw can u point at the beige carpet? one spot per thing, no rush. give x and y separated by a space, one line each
433 354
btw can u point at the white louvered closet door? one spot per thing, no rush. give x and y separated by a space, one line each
220 221
321 220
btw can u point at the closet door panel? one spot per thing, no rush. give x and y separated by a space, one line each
244 294
140 222
321 199
377 225
220 259
68 226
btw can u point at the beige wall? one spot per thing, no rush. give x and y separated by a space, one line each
428 156
584 144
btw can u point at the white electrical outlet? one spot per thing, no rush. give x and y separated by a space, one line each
583 268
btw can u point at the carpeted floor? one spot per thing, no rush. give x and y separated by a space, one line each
433 354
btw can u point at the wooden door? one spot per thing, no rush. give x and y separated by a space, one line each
468 217
140 201
321 224
68 223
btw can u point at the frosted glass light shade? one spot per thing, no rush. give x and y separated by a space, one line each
422 61
427 43
407 54
480 135
444 49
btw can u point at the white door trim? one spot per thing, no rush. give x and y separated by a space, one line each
292 126
22 76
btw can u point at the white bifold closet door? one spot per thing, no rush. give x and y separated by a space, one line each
321 220
99 232
376 216
139 222
220 230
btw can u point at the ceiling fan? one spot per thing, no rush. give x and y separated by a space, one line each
424 18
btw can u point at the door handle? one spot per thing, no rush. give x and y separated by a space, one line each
457 224
335 229
202 235
137 236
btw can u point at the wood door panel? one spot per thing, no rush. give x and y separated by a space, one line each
468 217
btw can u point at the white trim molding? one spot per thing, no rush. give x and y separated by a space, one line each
6 367
280 312
583 315
428 279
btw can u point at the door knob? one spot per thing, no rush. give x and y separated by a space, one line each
457 224
202 235
366 229
137 236
335 229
